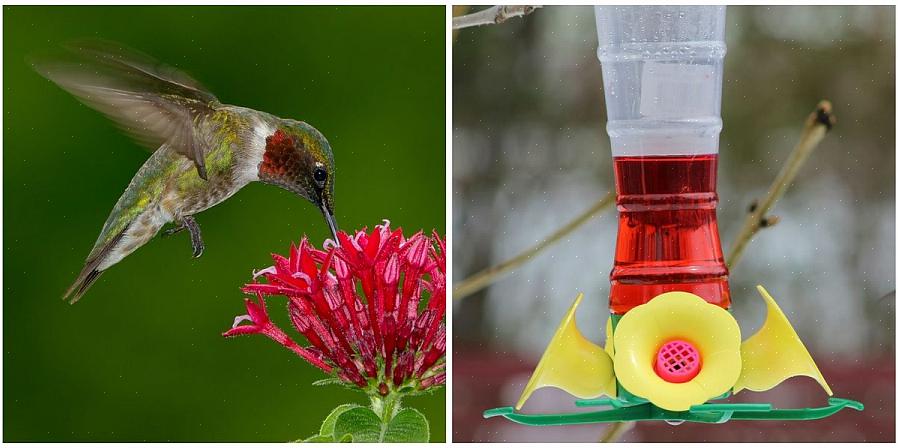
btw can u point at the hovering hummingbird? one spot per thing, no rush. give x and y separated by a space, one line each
205 151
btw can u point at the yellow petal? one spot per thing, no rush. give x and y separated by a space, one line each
775 353
572 363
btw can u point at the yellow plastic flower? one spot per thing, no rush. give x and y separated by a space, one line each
677 317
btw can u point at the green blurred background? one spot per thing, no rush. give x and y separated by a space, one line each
141 356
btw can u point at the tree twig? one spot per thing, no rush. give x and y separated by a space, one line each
493 15
489 275
815 128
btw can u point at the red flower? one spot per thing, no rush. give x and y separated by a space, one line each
371 309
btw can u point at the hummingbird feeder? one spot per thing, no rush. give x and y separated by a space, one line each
672 347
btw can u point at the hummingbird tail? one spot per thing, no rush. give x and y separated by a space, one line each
81 285
92 269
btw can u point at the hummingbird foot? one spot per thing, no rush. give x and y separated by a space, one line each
196 238
172 231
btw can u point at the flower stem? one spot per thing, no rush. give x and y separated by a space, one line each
386 407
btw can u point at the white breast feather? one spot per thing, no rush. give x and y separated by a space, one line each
248 171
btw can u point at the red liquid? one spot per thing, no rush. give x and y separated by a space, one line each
667 236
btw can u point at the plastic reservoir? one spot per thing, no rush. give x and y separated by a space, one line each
662 68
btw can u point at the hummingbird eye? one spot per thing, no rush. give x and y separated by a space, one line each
320 175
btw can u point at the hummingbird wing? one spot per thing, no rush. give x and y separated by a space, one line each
155 103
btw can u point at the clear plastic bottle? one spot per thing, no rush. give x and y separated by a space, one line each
662 68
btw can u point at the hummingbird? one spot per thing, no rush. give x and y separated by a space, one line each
204 151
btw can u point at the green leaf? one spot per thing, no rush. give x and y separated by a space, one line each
364 425
336 382
408 425
326 433
429 391
327 427
318 438
327 382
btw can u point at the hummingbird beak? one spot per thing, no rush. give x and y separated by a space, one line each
331 222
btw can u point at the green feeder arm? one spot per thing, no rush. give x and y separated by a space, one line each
703 413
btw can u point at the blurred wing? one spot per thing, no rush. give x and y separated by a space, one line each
154 103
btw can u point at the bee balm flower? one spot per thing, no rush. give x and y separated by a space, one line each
371 309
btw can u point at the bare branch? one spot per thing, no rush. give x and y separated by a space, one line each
815 128
489 275
493 15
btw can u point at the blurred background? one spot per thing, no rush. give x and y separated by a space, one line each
141 357
531 152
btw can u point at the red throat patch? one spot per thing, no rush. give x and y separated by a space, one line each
280 158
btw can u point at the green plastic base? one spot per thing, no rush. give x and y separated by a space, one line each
702 413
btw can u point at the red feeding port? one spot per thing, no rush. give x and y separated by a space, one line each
678 362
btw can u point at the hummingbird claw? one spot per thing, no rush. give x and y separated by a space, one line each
196 239
197 249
